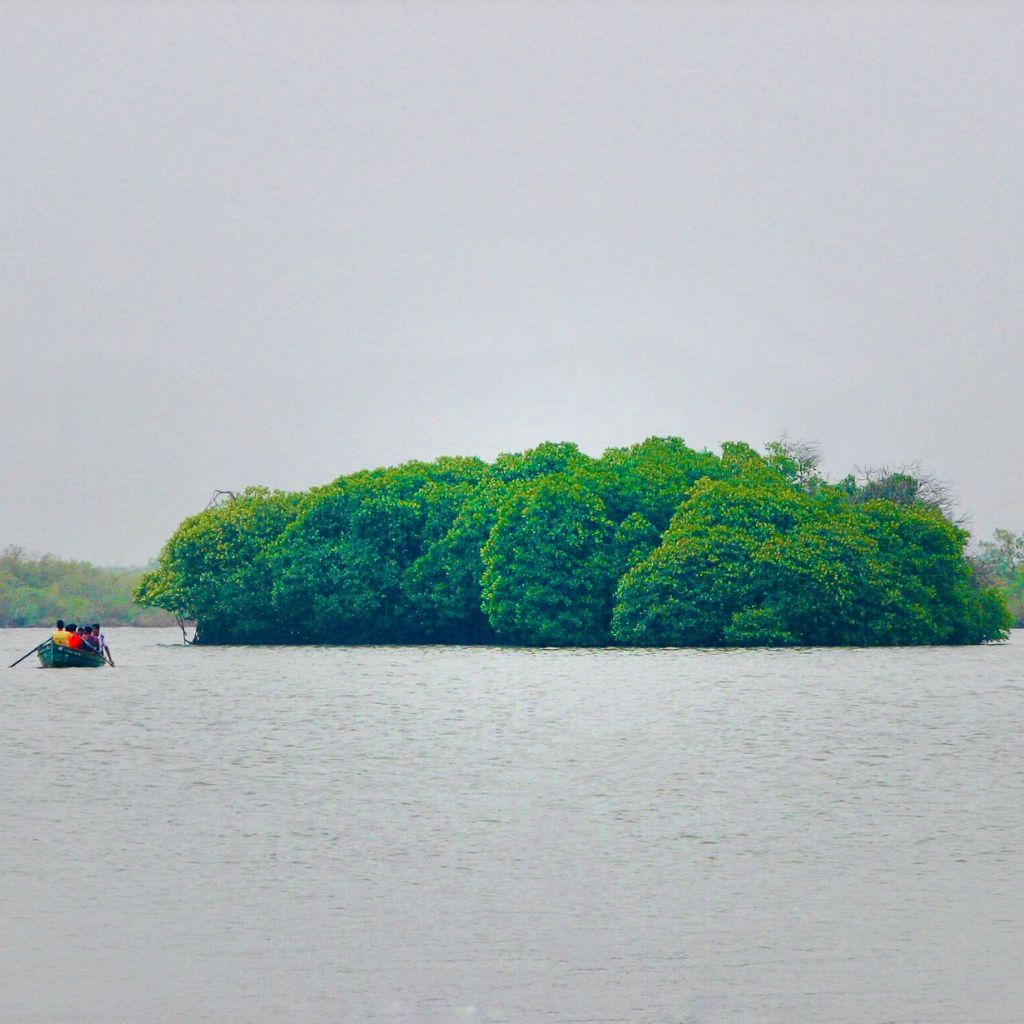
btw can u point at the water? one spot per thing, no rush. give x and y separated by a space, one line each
454 834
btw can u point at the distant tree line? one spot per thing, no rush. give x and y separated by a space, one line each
1000 563
35 590
656 544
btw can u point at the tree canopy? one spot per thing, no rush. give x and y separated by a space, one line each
656 544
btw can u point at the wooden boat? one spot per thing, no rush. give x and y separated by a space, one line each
52 655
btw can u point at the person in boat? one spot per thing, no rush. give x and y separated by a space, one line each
89 642
101 643
60 634
74 637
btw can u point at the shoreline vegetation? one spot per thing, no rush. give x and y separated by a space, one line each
36 590
652 545
1000 564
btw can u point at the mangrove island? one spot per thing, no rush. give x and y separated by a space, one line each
657 544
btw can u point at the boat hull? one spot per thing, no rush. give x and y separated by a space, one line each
52 655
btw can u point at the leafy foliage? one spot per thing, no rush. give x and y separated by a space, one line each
548 568
443 584
36 590
216 568
655 544
1001 563
343 569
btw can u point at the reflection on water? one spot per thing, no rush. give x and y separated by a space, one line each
466 834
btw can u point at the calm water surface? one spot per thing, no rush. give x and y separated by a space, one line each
455 834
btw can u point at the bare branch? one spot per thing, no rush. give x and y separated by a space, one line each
219 497
908 484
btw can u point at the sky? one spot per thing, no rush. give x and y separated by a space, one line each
253 243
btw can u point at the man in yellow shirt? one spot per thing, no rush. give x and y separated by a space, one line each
60 635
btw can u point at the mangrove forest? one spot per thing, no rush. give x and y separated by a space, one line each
37 589
656 544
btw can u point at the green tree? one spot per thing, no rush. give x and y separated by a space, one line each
340 569
547 566
651 479
754 561
215 567
443 584
544 460
686 592
1002 559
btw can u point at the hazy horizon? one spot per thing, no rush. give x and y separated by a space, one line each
257 244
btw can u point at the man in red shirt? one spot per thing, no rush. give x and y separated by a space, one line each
75 641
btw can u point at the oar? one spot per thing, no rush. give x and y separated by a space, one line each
33 651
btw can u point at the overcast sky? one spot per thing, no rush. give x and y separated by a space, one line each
271 243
